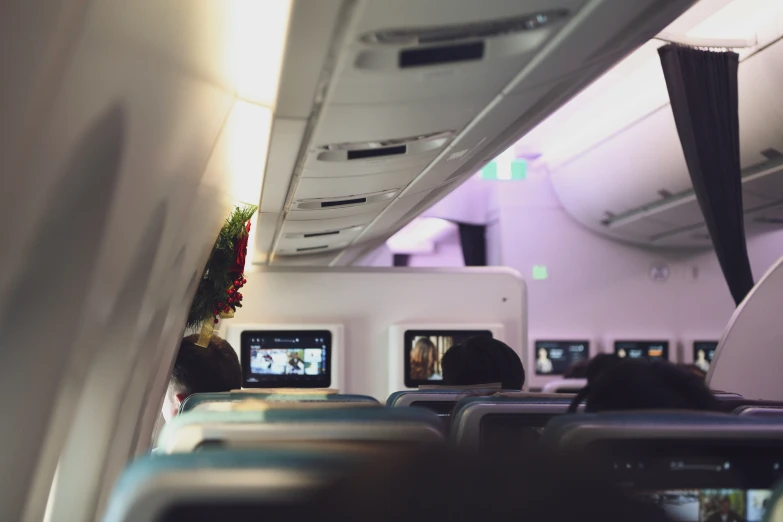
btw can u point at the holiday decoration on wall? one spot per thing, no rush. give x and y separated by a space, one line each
218 295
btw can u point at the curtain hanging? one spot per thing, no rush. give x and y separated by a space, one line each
703 93
473 239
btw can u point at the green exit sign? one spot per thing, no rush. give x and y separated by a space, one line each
497 171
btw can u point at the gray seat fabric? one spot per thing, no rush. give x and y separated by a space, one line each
197 399
188 431
152 485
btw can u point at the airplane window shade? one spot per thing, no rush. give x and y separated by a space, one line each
473 239
401 259
702 89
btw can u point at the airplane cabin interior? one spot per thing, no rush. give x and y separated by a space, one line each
263 258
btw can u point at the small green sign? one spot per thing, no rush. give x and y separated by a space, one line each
539 272
516 171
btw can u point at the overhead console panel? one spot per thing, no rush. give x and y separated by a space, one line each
415 95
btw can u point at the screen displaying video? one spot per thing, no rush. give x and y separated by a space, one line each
555 357
286 359
424 350
703 352
712 505
652 350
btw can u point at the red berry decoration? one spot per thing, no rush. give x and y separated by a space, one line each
217 321
239 296
231 291
236 283
220 305
230 300
244 281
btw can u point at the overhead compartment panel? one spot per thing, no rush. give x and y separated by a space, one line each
394 59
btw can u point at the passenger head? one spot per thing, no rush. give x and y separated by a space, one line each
577 371
542 354
595 369
482 360
695 370
643 385
424 359
201 370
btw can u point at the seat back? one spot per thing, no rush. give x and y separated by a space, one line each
441 402
759 411
170 487
505 422
300 426
219 401
564 386
581 432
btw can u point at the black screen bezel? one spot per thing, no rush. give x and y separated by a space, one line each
664 342
536 348
287 381
410 335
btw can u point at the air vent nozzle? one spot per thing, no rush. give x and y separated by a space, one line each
461 32
381 149
345 201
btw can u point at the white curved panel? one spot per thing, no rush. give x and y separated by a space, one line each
748 360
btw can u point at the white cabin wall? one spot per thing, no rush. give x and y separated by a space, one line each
448 253
601 287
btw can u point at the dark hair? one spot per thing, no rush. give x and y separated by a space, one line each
595 369
482 360
443 484
695 370
203 370
577 371
643 385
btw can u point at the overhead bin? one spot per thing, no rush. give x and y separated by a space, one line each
625 25
629 185
449 51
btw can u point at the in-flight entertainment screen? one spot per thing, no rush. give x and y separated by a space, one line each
703 352
653 350
286 359
712 505
424 350
555 357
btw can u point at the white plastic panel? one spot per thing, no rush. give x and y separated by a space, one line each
319 225
264 229
493 120
329 213
351 123
370 72
748 357
308 246
761 113
283 149
315 168
618 175
337 187
368 301
622 26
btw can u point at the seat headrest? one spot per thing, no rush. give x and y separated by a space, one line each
153 484
575 432
187 431
198 400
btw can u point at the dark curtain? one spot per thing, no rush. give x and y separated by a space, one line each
401 259
703 93
473 239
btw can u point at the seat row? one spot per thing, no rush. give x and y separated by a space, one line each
250 449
